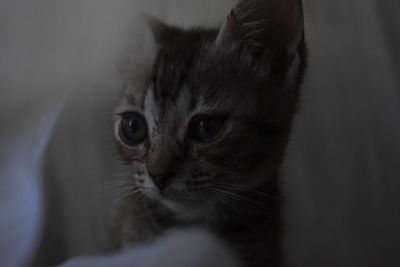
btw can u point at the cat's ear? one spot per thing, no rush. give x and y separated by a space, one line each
160 30
269 29
138 56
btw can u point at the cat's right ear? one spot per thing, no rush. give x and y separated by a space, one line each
138 56
161 31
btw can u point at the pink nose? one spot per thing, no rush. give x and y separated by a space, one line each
162 181
163 163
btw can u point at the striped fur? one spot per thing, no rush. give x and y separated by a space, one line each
251 76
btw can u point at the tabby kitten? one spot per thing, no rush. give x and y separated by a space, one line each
202 126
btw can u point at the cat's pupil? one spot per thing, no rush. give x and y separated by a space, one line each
207 129
133 129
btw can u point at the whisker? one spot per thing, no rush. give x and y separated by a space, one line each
126 194
247 189
248 202
230 203
198 182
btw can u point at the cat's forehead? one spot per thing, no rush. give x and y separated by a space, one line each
169 71
175 85
189 75
176 62
170 116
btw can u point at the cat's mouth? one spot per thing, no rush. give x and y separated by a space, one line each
184 200
191 197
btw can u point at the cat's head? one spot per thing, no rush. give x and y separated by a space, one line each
206 115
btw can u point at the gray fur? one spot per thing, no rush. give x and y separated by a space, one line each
229 185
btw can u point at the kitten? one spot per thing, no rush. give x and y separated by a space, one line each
202 126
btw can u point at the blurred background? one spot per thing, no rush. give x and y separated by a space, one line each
342 173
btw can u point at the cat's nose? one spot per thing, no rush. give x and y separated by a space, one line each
162 180
163 163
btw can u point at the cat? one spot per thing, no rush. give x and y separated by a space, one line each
202 125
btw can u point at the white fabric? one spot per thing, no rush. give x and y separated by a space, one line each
21 198
194 248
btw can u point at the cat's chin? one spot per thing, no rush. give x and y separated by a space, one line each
184 209
187 211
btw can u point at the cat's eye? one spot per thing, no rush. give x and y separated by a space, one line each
206 129
132 129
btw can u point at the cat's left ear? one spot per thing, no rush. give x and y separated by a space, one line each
269 30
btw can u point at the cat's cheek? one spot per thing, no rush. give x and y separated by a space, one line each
207 153
202 151
198 153
132 155
218 151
